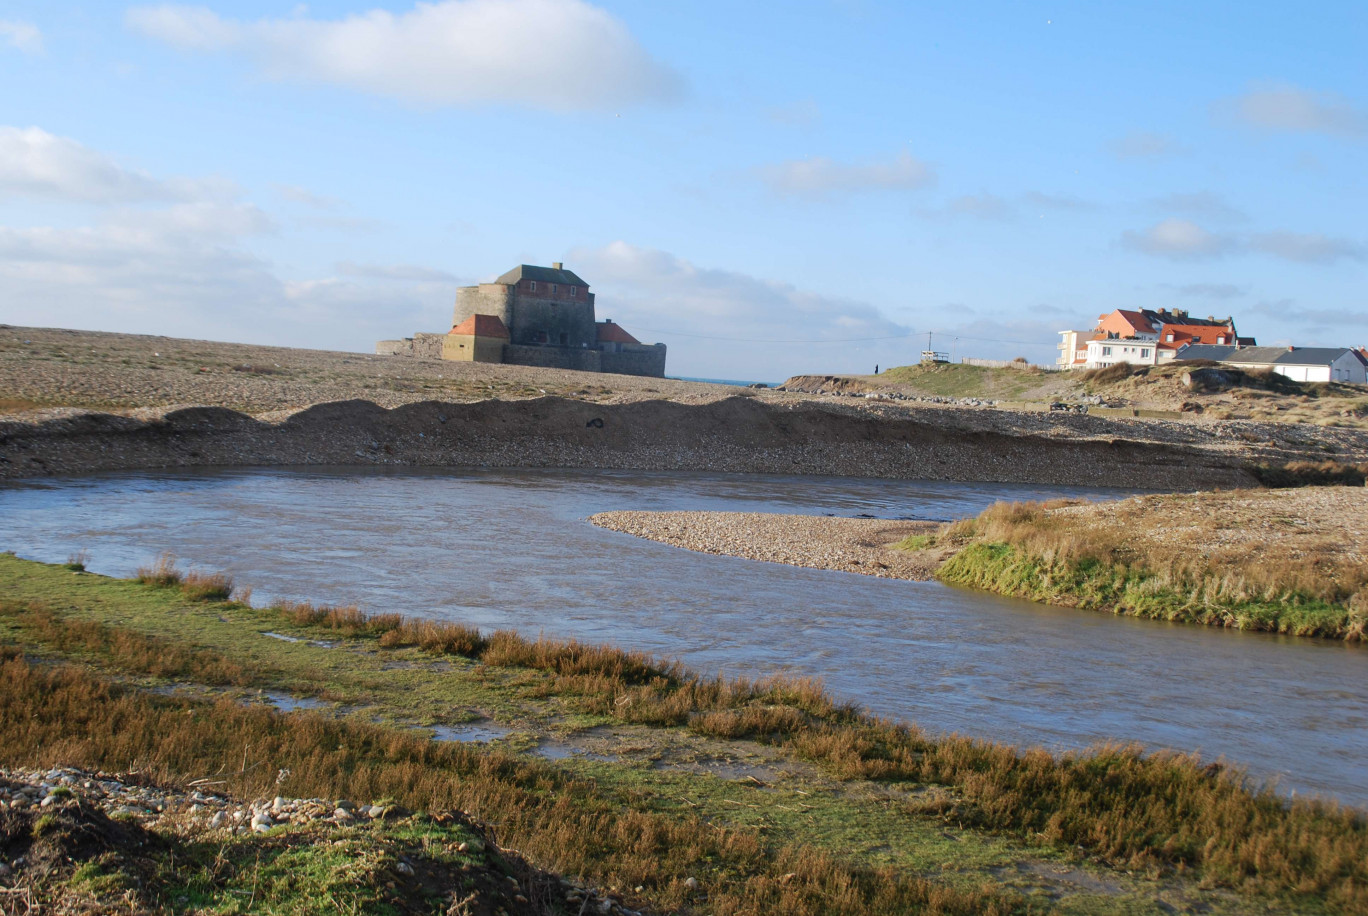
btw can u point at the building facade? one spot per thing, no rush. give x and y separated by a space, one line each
1142 337
536 316
1301 364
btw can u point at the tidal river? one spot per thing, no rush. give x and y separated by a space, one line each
512 549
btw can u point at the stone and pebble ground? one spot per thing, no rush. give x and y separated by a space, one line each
198 810
186 810
859 545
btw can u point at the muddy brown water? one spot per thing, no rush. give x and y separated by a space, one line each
513 549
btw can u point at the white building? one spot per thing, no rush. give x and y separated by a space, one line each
1143 337
1301 364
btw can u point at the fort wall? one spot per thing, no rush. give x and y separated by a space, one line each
647 359
584 360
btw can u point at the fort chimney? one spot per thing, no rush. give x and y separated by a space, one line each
558 265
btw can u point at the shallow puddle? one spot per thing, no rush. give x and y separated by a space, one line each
289 703
481 732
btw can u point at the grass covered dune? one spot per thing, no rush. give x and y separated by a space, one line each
78 652
1283 561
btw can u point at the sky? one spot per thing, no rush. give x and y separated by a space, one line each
767 189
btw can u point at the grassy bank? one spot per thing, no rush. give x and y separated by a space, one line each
850 808
1282 563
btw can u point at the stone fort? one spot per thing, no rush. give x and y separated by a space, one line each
533 316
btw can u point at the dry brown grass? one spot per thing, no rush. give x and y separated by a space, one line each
435 636
64 716
1285 546
1128 808
195 585
347 620
125 649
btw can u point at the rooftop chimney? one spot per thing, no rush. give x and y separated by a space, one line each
558 265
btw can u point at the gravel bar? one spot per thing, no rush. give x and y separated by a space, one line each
858 545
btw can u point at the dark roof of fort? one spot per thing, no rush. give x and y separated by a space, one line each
541 275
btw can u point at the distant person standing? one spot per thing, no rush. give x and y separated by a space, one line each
876 368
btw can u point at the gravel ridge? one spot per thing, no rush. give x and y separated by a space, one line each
157 402
857 545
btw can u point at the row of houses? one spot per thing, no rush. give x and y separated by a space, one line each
1146 337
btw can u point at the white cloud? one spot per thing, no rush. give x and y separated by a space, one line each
1057 201
157 278
1282 107
1308 247
982 206
176 263
1142 144
1210 290
734 321
1205 204
37 163
1288 311
22 36
804 113
406 272
561 55
298 195
819 175
1178 239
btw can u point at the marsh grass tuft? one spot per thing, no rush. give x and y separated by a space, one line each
916 542
60 715
124 649
1094 560
1128 808
162 573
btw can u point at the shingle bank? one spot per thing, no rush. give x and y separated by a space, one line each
737 434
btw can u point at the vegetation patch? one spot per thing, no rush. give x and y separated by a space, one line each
630 826
1311 474
1269 567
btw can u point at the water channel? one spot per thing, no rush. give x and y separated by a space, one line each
512 549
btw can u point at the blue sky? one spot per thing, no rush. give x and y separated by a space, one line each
808 188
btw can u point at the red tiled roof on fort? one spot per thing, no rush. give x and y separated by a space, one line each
613 333
482 326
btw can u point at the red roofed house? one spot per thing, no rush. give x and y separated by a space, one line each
1143 337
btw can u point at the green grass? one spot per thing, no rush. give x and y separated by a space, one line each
916 542
961 381
1301 582
1095 585
867 794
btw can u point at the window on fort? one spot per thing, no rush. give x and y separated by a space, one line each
553 289
574 291
532 285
